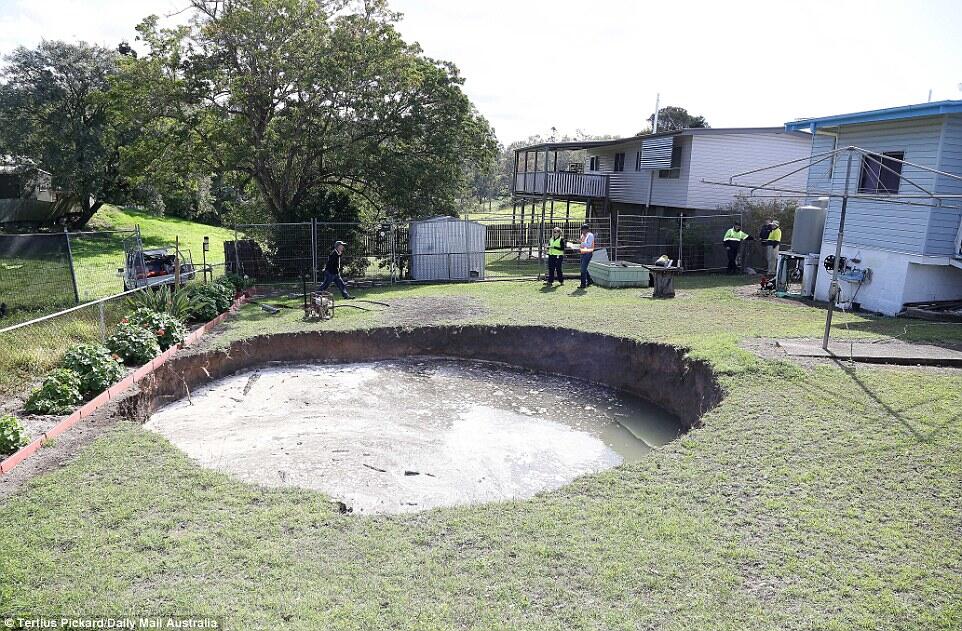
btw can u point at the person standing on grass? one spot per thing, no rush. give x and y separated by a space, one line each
587 248
556 255
771 241
332 271
733 243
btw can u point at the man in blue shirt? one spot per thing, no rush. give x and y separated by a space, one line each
587 248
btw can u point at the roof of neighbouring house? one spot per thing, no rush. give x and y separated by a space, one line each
902 112
692 131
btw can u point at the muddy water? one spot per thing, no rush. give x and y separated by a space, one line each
398 436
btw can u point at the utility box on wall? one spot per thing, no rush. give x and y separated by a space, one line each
445 248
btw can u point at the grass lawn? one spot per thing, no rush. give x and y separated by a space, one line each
499 211
822 497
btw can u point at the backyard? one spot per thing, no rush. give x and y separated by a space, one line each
819 495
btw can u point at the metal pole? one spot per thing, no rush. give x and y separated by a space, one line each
204 256
102 322
314 250
73 273
833 288
237 267
394 265
177 262
681 224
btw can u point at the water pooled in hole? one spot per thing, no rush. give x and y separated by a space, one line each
395 436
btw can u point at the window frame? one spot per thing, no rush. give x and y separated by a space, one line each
673 172
619 162
593 163
877 169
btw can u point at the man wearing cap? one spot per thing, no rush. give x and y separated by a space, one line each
587 248
332 271
556 256
733 242
772 240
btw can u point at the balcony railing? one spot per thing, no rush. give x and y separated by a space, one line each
562 184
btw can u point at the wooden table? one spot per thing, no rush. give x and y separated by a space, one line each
663 280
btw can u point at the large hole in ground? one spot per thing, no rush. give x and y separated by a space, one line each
401 435
405 419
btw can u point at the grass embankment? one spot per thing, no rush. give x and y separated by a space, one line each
823 498
499 211
28 353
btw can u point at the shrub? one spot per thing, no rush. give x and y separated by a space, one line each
12 435
95 365
236 281
168 329
203 308
59 394
163 300
135 345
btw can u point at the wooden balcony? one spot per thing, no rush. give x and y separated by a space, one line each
563 184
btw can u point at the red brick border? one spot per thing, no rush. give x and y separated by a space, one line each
115 390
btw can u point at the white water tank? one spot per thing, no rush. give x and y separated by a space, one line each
807 229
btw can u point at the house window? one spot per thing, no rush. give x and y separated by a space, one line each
593 163
638 161
881 173
675 171
619 162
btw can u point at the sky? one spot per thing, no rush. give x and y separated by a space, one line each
596 67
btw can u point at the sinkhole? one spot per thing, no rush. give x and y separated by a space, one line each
410 434
398 419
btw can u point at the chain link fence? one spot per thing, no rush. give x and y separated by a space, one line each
695 242
40 273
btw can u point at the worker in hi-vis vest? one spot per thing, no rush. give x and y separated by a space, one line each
772 241
587 248
556 256
733 243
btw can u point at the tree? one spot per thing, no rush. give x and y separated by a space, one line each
53 110
306 96
671 118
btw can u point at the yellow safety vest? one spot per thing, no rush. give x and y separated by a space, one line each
735 235
775 235
556 247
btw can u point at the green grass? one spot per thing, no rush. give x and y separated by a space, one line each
499 211
812 498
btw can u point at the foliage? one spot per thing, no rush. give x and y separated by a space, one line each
291 99
671 118
222 293
163 300
168 329
755 212
56 95
134 344
59 393
12 435
95 365
236 281
203 308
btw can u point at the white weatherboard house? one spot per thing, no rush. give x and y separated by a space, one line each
655 174
909 244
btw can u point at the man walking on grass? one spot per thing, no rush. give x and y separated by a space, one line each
332 271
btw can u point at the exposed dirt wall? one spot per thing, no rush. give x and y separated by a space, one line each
658 373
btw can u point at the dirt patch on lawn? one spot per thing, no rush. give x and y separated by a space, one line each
434 310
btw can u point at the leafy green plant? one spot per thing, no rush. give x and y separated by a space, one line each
221 295
236 281
59 393
12 435
203 308
95 365
163 300
134 344
168 329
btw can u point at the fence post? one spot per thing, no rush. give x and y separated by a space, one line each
237 267
681 226
314 249
394 265
102 321
73 273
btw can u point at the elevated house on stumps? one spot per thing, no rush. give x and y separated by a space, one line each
659 174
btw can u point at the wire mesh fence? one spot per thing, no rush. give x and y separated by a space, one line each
695 242
40 273
31 348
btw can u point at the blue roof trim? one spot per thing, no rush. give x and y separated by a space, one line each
892 113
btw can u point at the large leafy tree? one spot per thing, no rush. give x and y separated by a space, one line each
53 110
671 118
303 97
